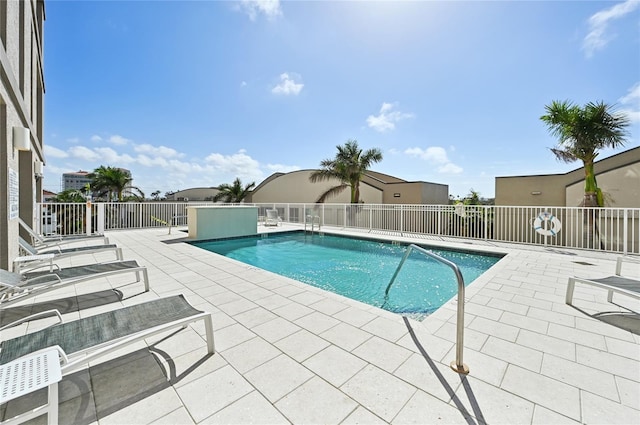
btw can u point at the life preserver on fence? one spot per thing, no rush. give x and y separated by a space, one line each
552 226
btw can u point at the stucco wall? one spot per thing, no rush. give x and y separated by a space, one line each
21 94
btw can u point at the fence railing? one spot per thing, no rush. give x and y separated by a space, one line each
603 229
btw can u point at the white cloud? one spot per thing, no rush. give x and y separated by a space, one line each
110 156
269 8
598 37
73 140
243 84
162 151
279 168
437 156
96 138
83 153
288 85
239 165
631 103
387 118
118 140
54 152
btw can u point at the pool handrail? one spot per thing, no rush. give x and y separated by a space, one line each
457 365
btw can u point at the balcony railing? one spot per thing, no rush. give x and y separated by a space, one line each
603 229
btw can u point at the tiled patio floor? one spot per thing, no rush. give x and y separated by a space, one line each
290 353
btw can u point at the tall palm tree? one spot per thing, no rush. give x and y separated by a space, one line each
233 193
581 133
110 181
349 166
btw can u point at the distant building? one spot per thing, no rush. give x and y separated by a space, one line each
375 188
77 181
618 177
194 194
47 195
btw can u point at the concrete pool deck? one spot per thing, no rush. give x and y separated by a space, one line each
287 352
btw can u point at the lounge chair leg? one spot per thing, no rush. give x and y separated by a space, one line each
146 279
119 254
570 287
208 324
610 296
52 415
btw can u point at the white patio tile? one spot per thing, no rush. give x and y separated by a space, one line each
301 345
513 353
546 392
254 317
429 376
495 328
346 336
355 316
316 322
138 412
230 336
391 330
278 377
629 392
577 336
598 410
623 348
213 392
382 353
609 362
306 298
178 416
547 344
583 377
335 365
491 404
276 329
472 338
250 409
362 416
189 367
543 416
423 408
292 311
379 391
316 402
525 322
250 354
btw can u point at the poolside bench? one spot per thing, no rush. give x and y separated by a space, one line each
617 283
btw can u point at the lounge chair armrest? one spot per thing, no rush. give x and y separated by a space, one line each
35 279
625 259
64 359
34 317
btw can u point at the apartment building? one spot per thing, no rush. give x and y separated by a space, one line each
21 119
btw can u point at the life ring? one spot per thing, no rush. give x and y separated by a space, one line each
547 230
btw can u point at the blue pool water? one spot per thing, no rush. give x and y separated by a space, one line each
357 268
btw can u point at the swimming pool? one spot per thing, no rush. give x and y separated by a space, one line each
358 268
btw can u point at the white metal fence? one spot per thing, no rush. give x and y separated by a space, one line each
605 229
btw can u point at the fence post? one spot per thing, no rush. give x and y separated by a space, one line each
88 217
624 232
401 219
100 218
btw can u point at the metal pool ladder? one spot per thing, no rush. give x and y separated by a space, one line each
457 365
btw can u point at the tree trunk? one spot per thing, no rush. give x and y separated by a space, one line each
590 232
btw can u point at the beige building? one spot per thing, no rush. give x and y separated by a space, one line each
375 188
618 176
194 194
21 120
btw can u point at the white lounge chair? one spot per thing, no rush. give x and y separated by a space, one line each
617 283
68 252
82 341
272 218
15 287
40 241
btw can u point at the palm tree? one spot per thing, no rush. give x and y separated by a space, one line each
582 132
349 166
110 181
233 193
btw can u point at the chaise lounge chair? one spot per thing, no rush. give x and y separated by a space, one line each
15 287
617 283
272 218
40 242
59 253
87 339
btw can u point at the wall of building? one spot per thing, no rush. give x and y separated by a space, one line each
21 106
618 176
194 194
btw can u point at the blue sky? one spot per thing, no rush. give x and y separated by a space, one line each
196 93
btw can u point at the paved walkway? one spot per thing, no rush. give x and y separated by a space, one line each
290 353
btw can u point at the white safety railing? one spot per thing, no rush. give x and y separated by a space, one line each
604 229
